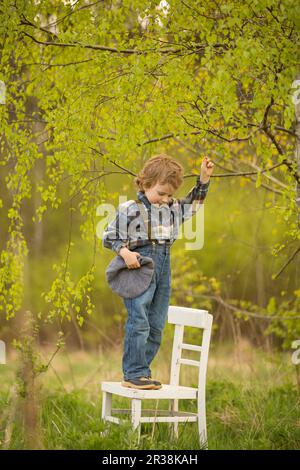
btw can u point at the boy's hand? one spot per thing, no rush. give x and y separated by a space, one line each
130 258
207 167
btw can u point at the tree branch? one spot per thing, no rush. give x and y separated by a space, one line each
59 20
215 133
243 311
122 51
287 263
102 48
221 175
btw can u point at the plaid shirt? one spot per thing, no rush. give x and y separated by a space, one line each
128 227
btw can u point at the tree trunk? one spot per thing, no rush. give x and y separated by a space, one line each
297 150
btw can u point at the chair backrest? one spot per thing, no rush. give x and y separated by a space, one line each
181 317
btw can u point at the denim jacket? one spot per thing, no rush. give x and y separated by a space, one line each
128 228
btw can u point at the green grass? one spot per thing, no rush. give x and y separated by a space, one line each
252 403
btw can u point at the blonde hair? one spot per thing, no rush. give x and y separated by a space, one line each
161 169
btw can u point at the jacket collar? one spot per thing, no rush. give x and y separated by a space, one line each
142 197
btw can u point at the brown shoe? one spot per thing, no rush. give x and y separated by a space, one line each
155 381
141 383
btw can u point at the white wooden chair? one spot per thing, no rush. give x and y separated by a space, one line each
181 317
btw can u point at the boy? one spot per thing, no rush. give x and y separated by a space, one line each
160 177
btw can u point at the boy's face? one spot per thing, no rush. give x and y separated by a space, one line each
159 193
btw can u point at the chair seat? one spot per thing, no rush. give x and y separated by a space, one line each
167 391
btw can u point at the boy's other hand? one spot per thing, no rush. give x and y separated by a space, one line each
207 167
130 258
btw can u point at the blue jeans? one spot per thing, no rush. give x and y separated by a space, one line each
147 315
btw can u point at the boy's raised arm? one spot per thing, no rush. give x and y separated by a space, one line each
190 204
192 201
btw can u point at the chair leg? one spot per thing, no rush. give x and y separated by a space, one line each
136 412
174 407
203 438
106 404
202 426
